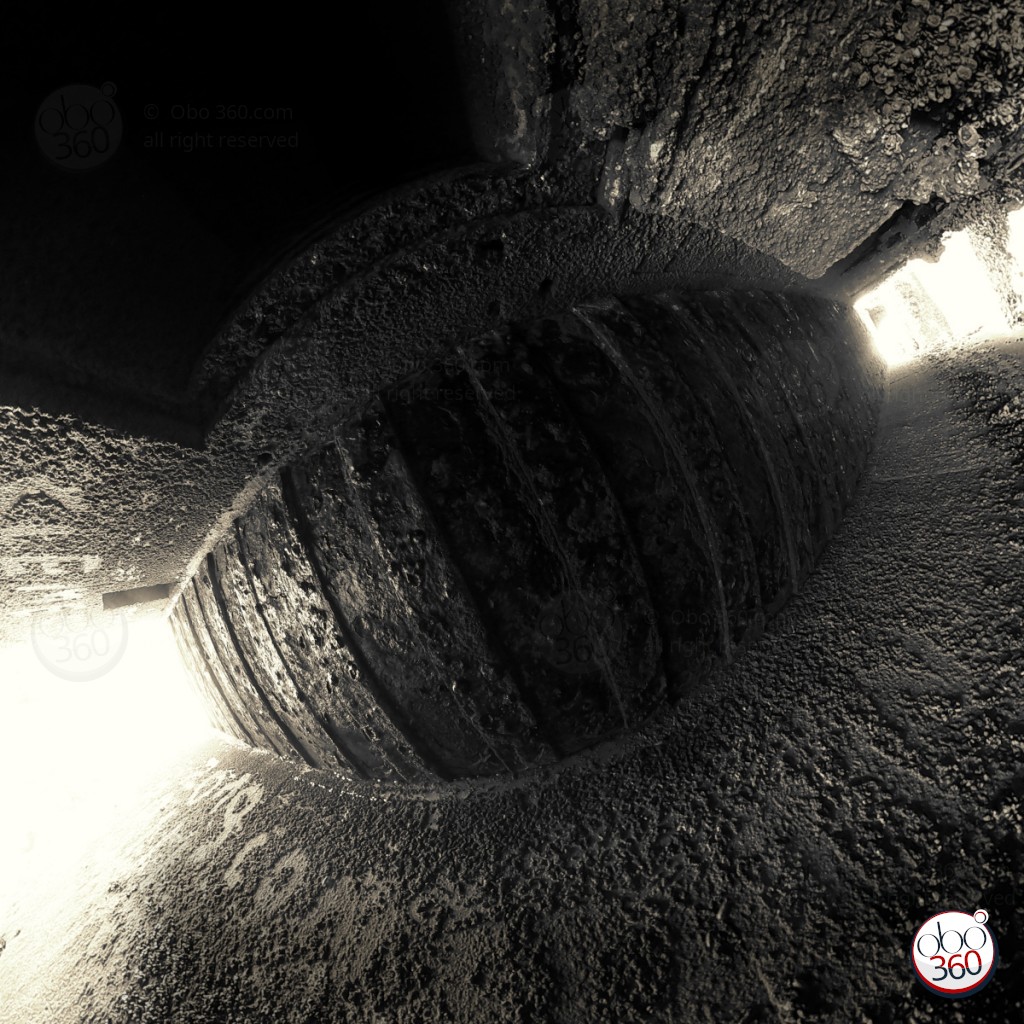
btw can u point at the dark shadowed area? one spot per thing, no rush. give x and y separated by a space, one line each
511 513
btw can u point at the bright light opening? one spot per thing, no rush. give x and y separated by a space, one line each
1015 246
928 307
77 754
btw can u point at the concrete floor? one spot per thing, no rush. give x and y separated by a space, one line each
763 853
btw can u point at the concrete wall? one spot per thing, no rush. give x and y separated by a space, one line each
764 852
529 546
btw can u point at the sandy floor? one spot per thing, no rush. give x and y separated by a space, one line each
764 853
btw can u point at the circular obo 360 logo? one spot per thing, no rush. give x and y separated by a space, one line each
578 632
955 954
74 645
79 127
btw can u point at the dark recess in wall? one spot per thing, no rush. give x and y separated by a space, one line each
113 279
860 269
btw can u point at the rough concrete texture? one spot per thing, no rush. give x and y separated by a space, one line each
718 145
464 252
797 127
87 510
527 548
762 853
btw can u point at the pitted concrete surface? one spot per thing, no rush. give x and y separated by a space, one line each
87 509
729 143
526 549
763 854
799 128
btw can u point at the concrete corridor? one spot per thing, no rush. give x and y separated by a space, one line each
762 853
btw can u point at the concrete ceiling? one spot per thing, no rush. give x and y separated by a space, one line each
153 363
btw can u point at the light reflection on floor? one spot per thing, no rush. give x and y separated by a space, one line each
79 759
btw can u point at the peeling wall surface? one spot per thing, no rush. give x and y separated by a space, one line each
372 358
761 853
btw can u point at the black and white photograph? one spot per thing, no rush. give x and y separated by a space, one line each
512 512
